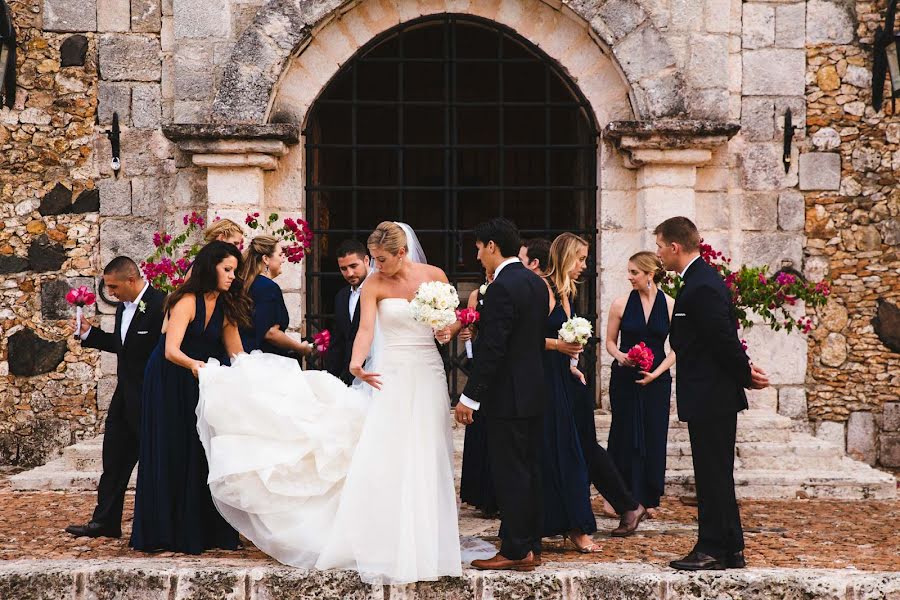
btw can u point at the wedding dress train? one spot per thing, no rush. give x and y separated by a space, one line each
317 474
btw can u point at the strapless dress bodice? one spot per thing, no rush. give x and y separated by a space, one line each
398 327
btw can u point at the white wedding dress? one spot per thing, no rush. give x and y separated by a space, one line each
317 474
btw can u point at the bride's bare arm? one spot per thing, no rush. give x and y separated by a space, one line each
368 302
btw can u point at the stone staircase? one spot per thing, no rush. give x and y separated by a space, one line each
773 461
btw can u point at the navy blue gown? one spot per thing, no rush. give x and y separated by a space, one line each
268 310
476 487
173 509
567 501
640 414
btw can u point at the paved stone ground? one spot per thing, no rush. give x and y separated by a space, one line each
795 534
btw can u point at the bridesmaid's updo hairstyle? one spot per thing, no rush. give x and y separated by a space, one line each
204 279
223 228
649 263
253 265
388 236
563 256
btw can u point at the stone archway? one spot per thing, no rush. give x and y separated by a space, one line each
621 31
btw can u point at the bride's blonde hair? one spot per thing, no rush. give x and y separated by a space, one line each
388 236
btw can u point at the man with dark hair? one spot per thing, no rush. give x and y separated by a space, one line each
507 385
535 254
712 372
353 261
139 318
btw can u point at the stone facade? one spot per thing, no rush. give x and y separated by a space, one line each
197 87
853 234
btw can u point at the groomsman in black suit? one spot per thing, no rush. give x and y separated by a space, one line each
139 319
712 371
507 386
353 260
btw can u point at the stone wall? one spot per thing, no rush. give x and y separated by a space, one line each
853 227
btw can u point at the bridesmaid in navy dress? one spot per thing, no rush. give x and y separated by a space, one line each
262 263
476 488
567 500
173 507
640 399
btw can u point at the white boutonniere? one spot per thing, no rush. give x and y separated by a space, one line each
483 289
142 307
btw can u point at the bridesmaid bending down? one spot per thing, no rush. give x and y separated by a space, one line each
173 507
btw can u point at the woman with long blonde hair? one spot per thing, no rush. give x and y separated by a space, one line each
573 406
640 399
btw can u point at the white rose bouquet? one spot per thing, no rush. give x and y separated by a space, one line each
435 304
576 330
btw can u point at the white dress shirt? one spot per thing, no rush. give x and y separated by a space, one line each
354 299
688 266
466 401
127 314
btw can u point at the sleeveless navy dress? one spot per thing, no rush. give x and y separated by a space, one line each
173 509
640 414
567 500
268 310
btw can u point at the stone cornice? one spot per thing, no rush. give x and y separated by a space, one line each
676 142
288 133
234 145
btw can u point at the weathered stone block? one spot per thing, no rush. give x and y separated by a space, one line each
834 350
12 264
73 51
758 26
763 400
57 201
643 53
792 402
129 57
761 167
758 118
210 19
829 22
832 431
887 324
759 212
708 62
113 15
145 16
44 255
771 248
861 433
131 237
890 231
826 138
861 77
791 211
146 106
194 80
146 196
783 356
713 210
88 201
820 171
66 15
106 387
890 420
790 25
775 72
622 16
53 297
113 98
834 315
890 449
30 354
115 197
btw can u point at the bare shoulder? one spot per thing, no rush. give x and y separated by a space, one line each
670 301
185 305
434 273
618 305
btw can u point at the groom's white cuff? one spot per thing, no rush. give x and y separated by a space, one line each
468 402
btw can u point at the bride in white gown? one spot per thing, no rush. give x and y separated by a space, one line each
320 475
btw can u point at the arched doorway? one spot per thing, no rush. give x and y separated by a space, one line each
443 122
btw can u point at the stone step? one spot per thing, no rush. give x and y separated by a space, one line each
753 426
57 477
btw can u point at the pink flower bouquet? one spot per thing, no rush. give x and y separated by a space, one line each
468 316
642 356
79 298
321 341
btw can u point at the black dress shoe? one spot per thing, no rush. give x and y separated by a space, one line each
94 530
736 560
697 561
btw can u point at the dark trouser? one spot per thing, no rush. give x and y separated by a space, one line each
121 444
712 447
514 452
606 478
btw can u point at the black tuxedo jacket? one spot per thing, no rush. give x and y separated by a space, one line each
337 359
508 374
140 341
712 367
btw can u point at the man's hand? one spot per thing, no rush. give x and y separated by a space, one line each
85 325
464 414
759 379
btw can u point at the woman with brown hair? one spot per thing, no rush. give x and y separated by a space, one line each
173 507
570 431
640 399
263 262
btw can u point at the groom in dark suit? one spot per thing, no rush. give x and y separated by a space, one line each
353 261
507 386
139 319
712 372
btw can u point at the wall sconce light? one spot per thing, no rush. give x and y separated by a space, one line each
113 135
7 57
886 59
789 130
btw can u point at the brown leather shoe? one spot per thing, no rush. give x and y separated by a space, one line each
629 522
501 563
